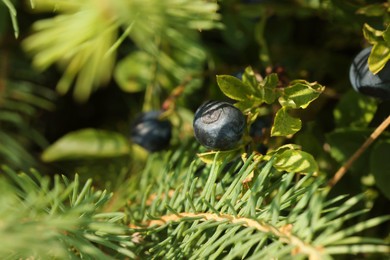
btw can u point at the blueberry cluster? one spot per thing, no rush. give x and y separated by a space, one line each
150 132
219 125
367 83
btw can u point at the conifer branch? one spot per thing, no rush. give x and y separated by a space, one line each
284 233
208 212
66 215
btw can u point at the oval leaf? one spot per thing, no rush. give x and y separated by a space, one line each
372 35
233 88
249 78
87 143
284 124
300 94
386 35
267 89
379 56
295 161
223 156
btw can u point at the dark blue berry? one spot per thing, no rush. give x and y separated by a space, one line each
259 126
150 132
239 75
262 148
219 125
365 82
257 130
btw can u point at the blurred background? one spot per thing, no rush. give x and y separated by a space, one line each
69 66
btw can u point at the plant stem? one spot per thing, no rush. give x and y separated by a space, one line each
343 169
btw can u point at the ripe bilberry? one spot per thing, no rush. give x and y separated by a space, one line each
367 83
218 125
150 132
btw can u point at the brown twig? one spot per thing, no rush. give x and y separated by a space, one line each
343 169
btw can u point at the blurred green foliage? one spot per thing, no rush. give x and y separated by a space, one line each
122 57
141 51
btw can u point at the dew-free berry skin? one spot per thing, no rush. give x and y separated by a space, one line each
219 125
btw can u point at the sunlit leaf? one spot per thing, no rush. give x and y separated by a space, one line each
87 143
300 94
386 35
223 156
295 161
285 124
249 78
372 35
13 15
280 150
247 105
233 87
267 89
379 56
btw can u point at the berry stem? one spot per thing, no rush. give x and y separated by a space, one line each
343 169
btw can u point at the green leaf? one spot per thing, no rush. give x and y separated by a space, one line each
223 156
380 166
379 56
87 143
13 15
134 72
281 149
300 94
249 78
373 10
267 89
372 35
284 124
233 88
354 110
295 161
247 105
386 35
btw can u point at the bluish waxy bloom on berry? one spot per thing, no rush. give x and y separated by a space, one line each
219 125
367 83
150 132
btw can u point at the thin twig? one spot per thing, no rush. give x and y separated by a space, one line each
343 169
